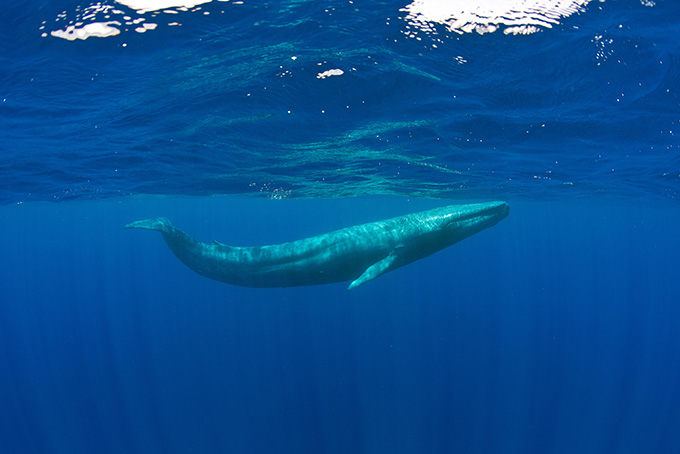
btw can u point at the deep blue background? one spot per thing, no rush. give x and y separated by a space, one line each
554 331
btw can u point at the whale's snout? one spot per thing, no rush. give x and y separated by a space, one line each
491 210
503 210
475 217
496 212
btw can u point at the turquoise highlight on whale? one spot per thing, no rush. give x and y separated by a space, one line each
359 253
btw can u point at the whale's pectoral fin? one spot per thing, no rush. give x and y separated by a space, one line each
160 224
377 269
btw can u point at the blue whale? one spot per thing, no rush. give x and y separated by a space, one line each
359 254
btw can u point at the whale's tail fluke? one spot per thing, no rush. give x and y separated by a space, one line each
160 224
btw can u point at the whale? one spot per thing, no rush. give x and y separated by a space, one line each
358 253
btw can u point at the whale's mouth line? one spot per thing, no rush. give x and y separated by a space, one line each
500 210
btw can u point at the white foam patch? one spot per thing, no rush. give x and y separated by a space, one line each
143 6
145 27
487 16
98 29
96 19
329 73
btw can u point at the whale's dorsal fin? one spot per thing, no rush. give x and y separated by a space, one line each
377 269
224 247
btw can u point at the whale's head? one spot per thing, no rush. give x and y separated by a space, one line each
440 228
490 213
461 221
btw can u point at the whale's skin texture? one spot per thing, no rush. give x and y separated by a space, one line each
359 253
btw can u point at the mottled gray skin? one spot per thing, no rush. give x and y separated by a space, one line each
359 253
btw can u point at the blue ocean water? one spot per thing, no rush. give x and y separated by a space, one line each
250 123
